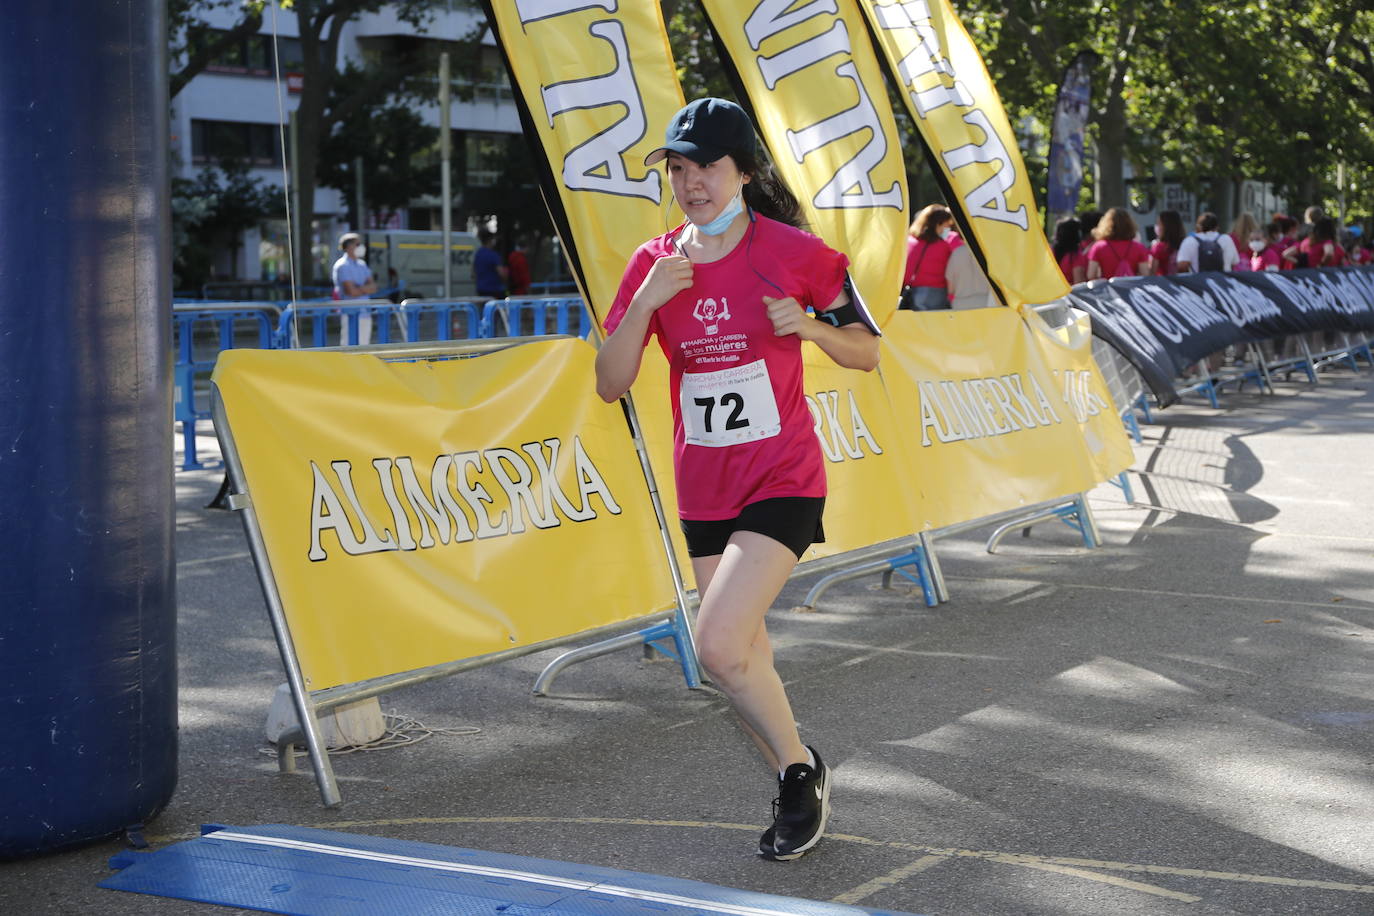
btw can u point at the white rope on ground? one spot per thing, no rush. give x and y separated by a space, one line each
401 730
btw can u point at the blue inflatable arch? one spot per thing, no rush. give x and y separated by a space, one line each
87 588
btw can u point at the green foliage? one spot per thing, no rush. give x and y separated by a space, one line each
1261 89
699 67
212 211
399 158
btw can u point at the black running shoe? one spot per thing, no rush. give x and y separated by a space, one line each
799 811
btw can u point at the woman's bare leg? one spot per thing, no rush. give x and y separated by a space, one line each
737 589
704 569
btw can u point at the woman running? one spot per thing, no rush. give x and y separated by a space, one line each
726 294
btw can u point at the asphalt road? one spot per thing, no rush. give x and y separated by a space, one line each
1179 722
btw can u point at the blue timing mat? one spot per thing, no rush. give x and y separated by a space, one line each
305 872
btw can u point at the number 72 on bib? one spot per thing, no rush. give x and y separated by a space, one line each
729 406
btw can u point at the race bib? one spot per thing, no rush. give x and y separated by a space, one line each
729 406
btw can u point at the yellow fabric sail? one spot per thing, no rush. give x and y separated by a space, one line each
948 93
818 96
598 83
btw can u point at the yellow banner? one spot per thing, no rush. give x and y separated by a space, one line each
419 513
996 413
947 90
873 492
599 83
818 95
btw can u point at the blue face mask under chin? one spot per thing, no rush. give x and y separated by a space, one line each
722 222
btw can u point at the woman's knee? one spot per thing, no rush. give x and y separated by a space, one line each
726 661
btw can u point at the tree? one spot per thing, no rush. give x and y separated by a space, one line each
399 160
329 102
194 45
699 67
213 210
1028 43
1338 39
1209 91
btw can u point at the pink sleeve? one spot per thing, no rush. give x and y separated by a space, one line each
912 245
635 271
820 271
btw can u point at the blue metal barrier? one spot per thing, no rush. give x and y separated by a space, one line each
509 316
309 325
223 327
427 319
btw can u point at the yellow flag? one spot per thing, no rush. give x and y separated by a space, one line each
818 96
420 513
598 84
947 91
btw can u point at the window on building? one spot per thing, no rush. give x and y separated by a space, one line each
486 156
256 144
251 55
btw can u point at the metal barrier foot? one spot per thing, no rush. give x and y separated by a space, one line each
1122 482
923 576
843 575
1133 427
648 638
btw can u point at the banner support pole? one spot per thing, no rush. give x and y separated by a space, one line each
682 618
691 666
241 500
445 156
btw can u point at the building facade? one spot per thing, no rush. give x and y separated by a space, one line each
238 107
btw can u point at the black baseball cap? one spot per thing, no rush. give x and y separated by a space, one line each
705 130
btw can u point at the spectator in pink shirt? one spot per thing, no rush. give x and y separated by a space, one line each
1243 230
1362 250
1265 248
927 254
1087 224
1068 250
1169 234
1116 253
1288 237
1319 249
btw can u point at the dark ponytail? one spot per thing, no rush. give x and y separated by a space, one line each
766 194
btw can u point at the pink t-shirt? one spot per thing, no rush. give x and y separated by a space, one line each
1317 256
747 434
1164 258
1071 260
925 262
1286 242
1360 255
1118 257
1267 258
1242 263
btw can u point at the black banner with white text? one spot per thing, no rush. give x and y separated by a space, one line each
1164 324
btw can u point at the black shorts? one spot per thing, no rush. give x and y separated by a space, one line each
793 521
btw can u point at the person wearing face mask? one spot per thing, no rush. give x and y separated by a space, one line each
726 294
353 280
1265 250
352 277
949 233
927 255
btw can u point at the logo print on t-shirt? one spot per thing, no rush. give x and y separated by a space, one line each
710 315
